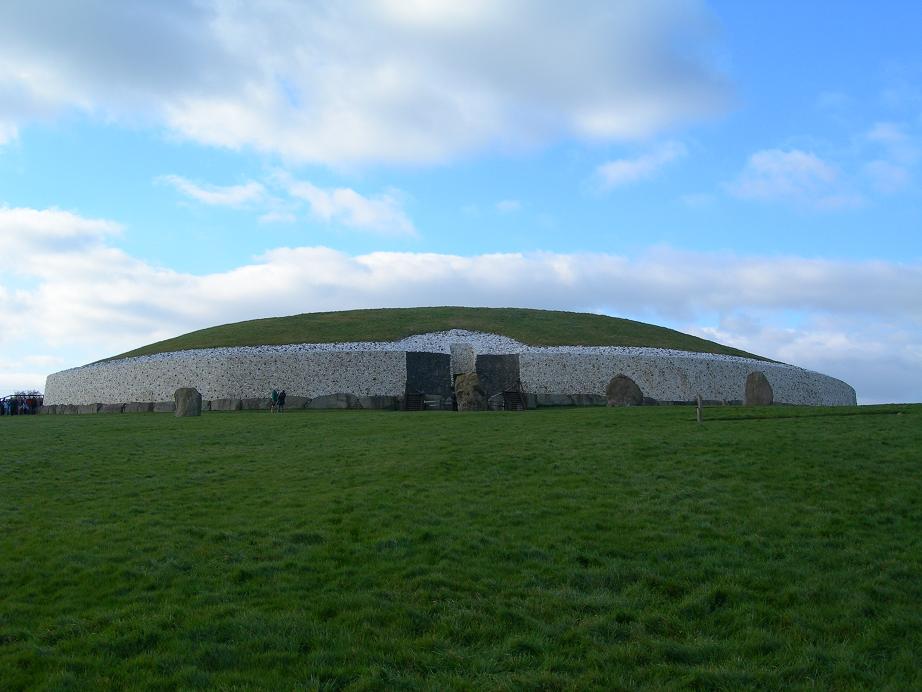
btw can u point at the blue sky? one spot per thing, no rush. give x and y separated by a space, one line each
748 172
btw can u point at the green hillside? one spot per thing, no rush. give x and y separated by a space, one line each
534 327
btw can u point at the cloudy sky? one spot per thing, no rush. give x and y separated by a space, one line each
745 171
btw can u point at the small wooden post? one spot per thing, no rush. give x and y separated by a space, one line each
698 399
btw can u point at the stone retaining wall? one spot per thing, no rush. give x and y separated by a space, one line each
377 375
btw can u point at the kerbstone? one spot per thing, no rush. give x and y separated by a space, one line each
623 391
226 404
139 407
187 402
758 390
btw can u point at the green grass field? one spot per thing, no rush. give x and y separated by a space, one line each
535 327
556 549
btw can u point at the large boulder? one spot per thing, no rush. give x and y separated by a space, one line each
623 391
468 393
188 402
758 390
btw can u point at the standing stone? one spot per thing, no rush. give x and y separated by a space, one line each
463 358
623 391
188 402
468 393
758 390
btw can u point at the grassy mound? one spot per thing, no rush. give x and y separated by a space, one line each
590 548
534 327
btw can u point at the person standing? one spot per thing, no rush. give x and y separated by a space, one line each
281 401
275 401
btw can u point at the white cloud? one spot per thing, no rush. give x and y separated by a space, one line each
887 177
276 216
792 176
364 81
382 213
86 300
29 238
216 195
8 132
624 171
507 206
889 134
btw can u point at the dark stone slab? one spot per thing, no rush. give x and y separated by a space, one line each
164 407
257 404
498 373
429 373
88 408
112 408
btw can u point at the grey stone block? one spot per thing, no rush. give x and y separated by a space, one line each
226 404
84 409
139 407
67 409
112 408
463 358
257 404
340 401
553 400
49 410
164 407
380 403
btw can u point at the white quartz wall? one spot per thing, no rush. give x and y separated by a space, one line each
676 376
379 369
231 374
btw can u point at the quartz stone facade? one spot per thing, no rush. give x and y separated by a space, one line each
376 372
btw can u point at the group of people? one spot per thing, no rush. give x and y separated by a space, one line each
20 404
277 401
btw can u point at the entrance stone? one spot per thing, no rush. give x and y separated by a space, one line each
468 392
